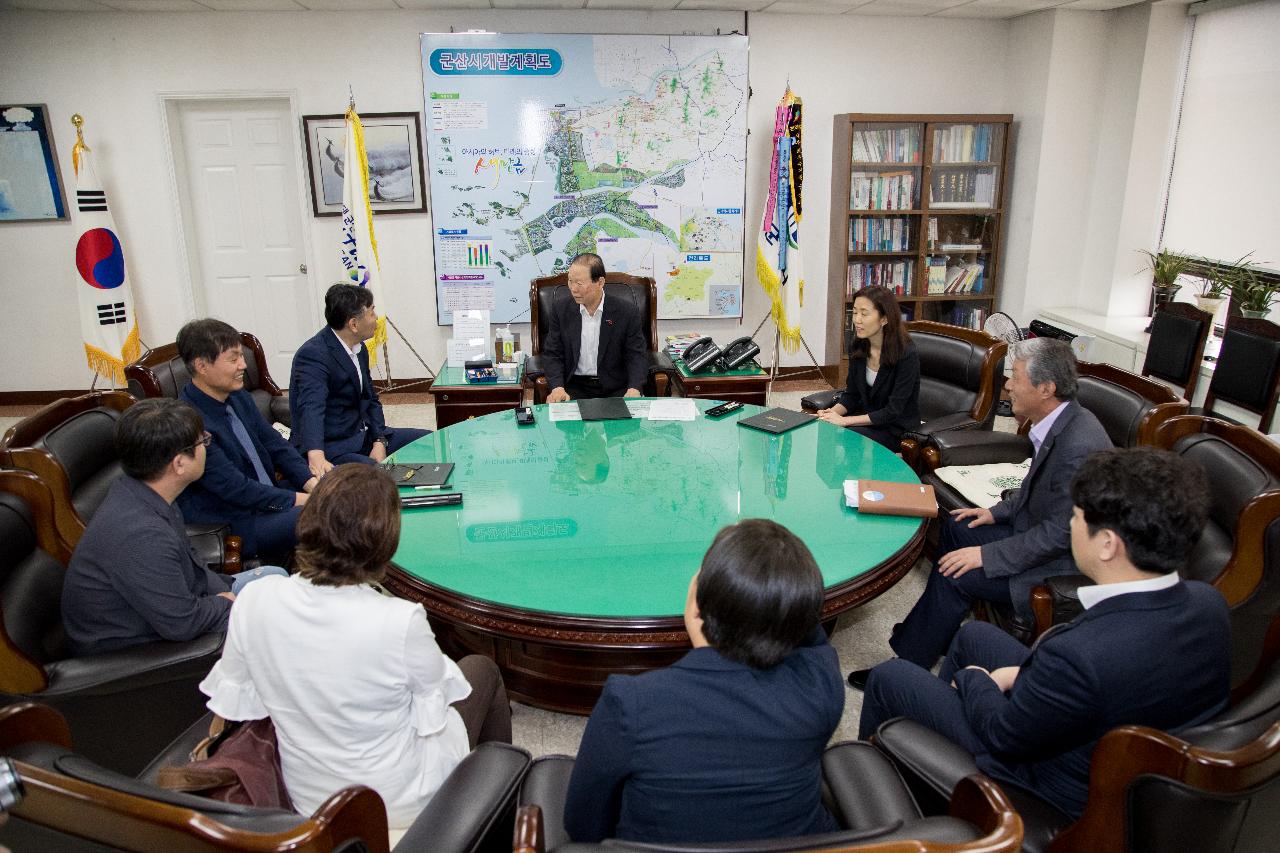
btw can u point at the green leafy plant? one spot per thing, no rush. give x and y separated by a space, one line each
1250 290
1165 268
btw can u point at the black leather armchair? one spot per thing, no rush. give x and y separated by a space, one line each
71 800
869 796
961 374
123 706
642 291
70 445
160 372
1213 788
1239 550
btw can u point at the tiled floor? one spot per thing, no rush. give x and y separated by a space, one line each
860 638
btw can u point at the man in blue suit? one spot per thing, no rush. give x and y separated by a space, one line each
239 485
336 413
1150 649
1000 554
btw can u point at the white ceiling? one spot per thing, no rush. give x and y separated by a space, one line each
899 8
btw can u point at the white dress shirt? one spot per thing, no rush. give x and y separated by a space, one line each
1091 595
354 352
357 688
589 354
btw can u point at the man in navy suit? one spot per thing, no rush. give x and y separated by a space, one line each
239 485
595 346
336 413
1000 554
1150 649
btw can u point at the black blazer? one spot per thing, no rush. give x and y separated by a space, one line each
708 749
331 410
893 402
1159 659
1039 511
622 360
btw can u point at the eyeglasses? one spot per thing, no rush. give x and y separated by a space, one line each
206 438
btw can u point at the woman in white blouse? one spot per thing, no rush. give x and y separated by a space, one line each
353 680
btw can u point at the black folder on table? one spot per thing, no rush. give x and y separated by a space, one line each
777 420
420 473
604 409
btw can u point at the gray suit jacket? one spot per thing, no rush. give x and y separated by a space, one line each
1040 510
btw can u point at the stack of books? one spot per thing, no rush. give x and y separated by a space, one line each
975 189
963 143
879 235
888 145
895 275
678 343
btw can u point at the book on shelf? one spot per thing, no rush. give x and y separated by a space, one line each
960 247
882 190
879 235
960 277
895 275
959 143
937 282
969 316
887 145
961 189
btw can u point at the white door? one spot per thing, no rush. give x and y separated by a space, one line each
241 188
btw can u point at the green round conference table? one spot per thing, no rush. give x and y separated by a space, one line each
570 556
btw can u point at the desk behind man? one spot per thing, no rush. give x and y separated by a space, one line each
595 347
337 416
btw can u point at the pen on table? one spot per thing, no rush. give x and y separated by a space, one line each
426 488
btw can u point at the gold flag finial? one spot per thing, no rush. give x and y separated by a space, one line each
78 121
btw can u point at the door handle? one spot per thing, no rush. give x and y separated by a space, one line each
302 268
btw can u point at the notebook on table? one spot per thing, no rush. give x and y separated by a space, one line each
881 497
777 420
419 474
604 409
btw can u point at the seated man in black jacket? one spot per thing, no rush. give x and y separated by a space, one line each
134 578
595 346
239 486
1149 649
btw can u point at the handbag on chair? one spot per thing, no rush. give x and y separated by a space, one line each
237 763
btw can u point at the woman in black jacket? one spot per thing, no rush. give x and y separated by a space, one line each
881 400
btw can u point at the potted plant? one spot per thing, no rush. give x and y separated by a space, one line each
1165 267
1215 284
1251 293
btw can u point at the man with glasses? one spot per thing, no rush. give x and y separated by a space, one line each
240 485
336 414
133 577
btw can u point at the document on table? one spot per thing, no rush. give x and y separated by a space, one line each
673 409
566 411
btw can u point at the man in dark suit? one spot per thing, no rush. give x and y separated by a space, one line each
133 577
239 485
1001 553
336 413
1150 649
595 346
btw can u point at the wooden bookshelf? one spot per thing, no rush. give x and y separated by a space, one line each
894 175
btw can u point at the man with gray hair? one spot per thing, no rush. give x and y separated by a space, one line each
1000 554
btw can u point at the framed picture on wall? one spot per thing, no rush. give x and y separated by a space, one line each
393 144
30 178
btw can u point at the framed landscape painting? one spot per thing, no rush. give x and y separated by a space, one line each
30 178
393 145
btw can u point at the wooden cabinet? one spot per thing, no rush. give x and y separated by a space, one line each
917 205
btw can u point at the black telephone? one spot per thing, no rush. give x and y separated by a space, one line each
738 353
701 354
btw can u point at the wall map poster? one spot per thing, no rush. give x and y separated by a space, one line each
544 146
